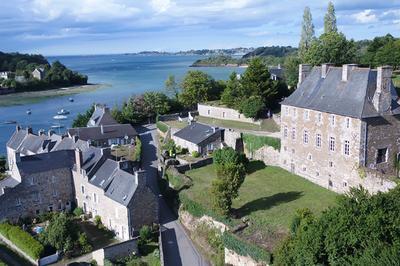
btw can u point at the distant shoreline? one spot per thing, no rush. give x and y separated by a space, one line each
21 98
219 65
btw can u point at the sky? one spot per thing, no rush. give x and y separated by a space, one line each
75 27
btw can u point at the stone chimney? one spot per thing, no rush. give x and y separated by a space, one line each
106 151
50 133
17 128
382 98
140 178
75 138
17 157
29 130
41 132
346 69
102 129
78 160
304 71
325 69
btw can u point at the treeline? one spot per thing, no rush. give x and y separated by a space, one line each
22 65
277 51
220 60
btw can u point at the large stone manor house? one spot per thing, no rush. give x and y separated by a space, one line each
341 127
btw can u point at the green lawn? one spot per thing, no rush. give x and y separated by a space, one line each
269 197
266 125
97 238
175 124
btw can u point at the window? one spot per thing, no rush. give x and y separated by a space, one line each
330 183
332 120
330 164
306 115
208 111
346 147
18 202
332 144
94 198
286 110
309 157
284 148
319 117
318 141
304 169
83 189
382 155
305 137
347 122
285 132
316 173
293 133
344 184
294 111
223 114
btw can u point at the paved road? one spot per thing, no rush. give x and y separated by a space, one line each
177 246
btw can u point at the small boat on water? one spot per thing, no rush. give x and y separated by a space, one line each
71 100
8 122
63 112
58 126
28 112
60 117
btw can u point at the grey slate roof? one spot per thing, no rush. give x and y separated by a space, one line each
110 132
276 71
16 139
122 188
101 116
197 133
46 161
8 182
69 144
352 98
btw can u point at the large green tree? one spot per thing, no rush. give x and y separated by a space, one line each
330 19
307 32
197 87
230 96
171 86
362 229
231 172
292 70
155 103
332 47
82 119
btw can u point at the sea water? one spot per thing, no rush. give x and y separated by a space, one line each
125 76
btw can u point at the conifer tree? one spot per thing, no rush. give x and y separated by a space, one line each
307 32
330 19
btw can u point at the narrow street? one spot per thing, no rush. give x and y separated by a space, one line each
178 247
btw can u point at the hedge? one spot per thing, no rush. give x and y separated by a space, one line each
245 249
254 142
138 149
22 240
162 126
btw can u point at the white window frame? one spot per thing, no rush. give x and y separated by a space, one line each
293 133
305 137
83 189
318 140
332 144
346 148
285 131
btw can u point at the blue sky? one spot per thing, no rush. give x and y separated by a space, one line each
58 27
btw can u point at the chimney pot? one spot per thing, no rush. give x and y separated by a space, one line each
304 71
29 130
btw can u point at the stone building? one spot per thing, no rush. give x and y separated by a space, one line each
341 127
38 73
39 183
106 188
199 137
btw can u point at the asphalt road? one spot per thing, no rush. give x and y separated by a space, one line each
177 246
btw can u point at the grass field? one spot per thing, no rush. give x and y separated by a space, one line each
269 197
267 124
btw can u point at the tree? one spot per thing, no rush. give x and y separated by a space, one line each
332 47
231 95
231 172
196 87
292 70
133 109
155 103
252 106
330 19
60 233
307 32
81 120
361 229
116 113
256 81
172 87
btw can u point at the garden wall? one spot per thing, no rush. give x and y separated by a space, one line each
267 154
186 167
18 250
224 113
117 251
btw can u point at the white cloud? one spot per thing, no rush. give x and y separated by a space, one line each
82 10
161 6
366 16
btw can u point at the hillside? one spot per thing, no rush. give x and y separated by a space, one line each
277 51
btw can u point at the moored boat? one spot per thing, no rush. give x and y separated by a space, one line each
60 117
63 112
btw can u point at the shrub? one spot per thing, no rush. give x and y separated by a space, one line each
245 249
256 142
145 234
78 211
84 244
98 222
162 126
195 154
138 149
22 240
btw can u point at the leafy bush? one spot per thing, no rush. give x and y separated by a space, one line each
195 154
252 107
78 211
138 149
98 222
22 240
254 142
84 244
145 234
245 249
162 126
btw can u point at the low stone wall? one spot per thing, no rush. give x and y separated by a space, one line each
267 154
375 182
232 258
186 167
18 250
225 113
116 251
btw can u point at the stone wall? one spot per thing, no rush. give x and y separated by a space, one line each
267 154
232 258
233 139
200 163
18 250
224 113
115 252
38 193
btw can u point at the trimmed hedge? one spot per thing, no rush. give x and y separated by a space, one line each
254 142
22 240
245 249
162 126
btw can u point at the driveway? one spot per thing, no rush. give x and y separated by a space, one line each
177 246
